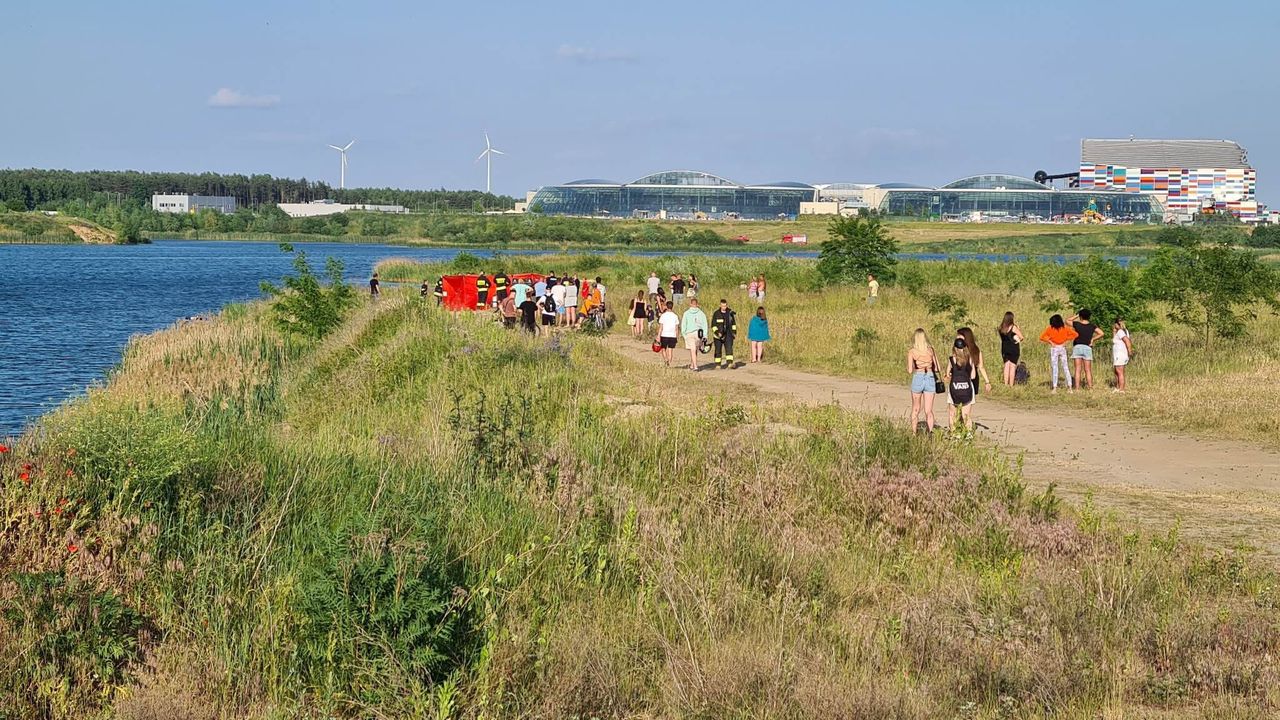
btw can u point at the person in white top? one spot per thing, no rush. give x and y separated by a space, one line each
571 302
668 331
1121 351
653 283
873 289
557 294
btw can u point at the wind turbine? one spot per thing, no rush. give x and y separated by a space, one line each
487 156
342 179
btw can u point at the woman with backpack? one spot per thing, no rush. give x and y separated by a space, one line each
975 356
922 366
961 378
1010 347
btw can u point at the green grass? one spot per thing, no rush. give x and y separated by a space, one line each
38 228
1175 383
427 515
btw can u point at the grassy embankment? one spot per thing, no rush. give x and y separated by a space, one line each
38 228
426 515
1174 382
529 231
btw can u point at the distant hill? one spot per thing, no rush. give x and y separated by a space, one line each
39 227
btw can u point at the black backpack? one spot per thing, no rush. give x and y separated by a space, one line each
961 388
1021 375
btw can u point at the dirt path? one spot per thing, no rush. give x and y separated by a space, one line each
1224 492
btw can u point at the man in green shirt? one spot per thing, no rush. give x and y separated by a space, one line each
693 326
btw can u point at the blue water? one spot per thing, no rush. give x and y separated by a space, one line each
66 311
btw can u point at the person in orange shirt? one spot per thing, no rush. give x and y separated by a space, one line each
1058 335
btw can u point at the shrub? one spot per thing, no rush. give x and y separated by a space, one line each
1212 287
1110 291
305 305
858 246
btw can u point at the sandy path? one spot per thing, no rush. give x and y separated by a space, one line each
1224 492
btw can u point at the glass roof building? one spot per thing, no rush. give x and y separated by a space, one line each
996 196
677 194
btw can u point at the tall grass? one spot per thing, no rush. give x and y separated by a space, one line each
1174 381
425 514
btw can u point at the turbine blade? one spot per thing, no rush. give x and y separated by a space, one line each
335 147
496 151
481 156
348 147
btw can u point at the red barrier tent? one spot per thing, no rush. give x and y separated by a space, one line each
460 290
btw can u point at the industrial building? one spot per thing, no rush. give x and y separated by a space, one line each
320 208
1190 176
677 194
192 203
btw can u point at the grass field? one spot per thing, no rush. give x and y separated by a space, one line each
426 515
1174 382
38 228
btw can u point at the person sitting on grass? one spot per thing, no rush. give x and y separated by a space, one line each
758 334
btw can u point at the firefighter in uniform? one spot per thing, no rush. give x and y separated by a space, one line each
439 292
482 292
501 286
724 327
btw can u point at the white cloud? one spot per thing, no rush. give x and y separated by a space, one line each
228 98
591 56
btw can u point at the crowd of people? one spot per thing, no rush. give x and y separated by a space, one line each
1070 342
534 303
672 312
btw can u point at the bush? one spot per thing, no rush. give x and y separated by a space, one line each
1110 291
307 307
1264 236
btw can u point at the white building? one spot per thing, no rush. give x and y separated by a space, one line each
320 208
192 203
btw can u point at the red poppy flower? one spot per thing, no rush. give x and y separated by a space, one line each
71 473
4 449
72 547
25 478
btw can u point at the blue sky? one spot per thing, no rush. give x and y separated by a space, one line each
755 91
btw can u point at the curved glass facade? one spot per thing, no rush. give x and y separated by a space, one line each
1045 204
677 194
994 182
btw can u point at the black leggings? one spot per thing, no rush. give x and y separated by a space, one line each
724 350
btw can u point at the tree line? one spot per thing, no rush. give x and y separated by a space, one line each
34 189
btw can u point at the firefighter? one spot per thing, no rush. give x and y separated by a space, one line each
482 292
439 292
724 327
501 286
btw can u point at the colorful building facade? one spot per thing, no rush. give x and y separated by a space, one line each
1190 175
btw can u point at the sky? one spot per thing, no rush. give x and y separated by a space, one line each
757 92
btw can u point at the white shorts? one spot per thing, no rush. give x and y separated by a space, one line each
692 341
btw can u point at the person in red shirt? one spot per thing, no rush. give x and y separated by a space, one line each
1057 336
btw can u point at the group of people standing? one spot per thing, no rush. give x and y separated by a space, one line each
701 334
537 307
965 374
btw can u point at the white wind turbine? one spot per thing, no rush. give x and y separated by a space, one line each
342 179
487 156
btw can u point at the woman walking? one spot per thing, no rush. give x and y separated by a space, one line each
1121 351
1056 336
1082 348
922 366
639 314
758 334
1010 347
962 377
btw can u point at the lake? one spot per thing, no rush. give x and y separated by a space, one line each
67 311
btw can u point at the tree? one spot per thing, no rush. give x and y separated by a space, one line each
1110 291
859 245
1264 236
1213 288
